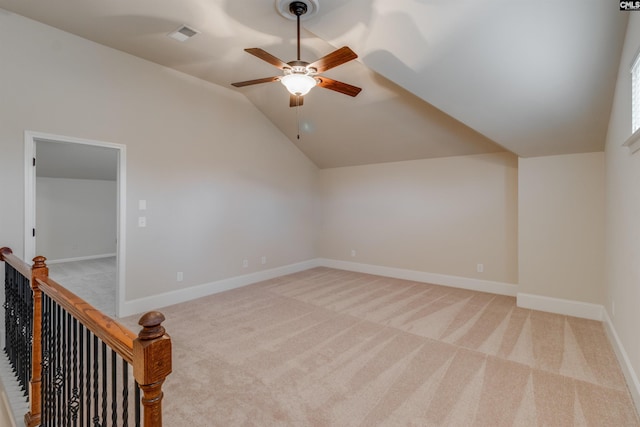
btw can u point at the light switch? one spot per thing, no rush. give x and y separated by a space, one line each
142 205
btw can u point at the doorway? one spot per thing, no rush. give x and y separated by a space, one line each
74 214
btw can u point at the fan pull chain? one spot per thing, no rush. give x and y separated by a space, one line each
298 114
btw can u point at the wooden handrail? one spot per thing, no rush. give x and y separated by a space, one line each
149 352
114 334
6 255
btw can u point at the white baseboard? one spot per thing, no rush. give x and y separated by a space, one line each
567 307
82 258
623 359
155 302
499 288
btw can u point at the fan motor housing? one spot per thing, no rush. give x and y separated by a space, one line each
299 68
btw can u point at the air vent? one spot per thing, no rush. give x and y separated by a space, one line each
183 33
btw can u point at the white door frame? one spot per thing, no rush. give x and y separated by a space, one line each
30 139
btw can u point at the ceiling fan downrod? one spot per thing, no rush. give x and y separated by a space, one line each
298 8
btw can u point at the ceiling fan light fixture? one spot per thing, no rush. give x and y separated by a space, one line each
298 84
300 76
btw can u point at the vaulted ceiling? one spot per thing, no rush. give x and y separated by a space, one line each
439 77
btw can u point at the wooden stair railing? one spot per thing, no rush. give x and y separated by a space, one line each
149 353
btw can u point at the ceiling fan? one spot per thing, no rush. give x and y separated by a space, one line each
299 77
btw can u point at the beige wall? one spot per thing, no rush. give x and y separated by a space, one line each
222 184
222 191
439 216
622 274
561 226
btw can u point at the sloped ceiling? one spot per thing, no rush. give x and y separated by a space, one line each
439 78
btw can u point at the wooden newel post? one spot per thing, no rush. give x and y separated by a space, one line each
32 418
151 365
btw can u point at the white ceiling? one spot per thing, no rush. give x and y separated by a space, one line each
439 77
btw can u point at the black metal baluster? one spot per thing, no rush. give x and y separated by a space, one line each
51 349
96 417
55 391
16 330
21 331
58 373
81 356
52 358
65 360
43 346
73 402
88 376
28 334
20 335
104 384
25 334
12 302
7 310
125 393
18 323
50 364
21 351
114 389
64 394
44 417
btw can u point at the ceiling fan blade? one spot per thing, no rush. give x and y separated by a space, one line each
296 101
335 58
256 81
266 56
331 84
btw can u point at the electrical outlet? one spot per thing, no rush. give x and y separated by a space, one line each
245 263
353 252
263 260
480 268
180 276
142 221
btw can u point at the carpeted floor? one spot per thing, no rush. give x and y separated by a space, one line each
327 347
93 280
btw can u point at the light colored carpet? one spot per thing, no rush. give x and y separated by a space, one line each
93 280
327 347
